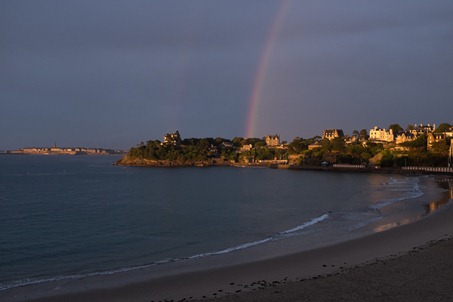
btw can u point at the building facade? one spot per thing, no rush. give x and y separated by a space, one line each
172 139
381 135
435 138
406 136
423 129
272 140
331 134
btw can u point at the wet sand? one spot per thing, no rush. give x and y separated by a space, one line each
412 262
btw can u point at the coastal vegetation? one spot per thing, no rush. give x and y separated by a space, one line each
188 152
355 149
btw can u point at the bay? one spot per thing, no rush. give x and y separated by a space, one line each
69 216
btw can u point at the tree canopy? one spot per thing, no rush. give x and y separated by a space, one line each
396 128
444 127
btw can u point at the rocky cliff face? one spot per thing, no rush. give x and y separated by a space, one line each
376 160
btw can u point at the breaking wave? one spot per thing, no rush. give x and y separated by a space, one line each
280 235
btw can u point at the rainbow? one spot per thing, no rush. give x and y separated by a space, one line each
262 69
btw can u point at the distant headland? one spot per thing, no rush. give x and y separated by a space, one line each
54 150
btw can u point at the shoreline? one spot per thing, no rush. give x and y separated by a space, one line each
229 281
415 170
364 169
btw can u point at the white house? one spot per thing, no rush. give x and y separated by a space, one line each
381 135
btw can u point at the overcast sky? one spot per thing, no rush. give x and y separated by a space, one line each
114 73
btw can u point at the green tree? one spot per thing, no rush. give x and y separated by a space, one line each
326 145
387 159
363 134
365 156
238 142
396 128
297 146
337 144
219 141
263 154
410 127
375 148
260 144
444 127
280 154
440 148
419 142
253 141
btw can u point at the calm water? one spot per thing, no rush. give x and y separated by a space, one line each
63 216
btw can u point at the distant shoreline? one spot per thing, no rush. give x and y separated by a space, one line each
63 151
57 154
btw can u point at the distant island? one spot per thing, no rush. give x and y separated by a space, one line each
395 147
54 150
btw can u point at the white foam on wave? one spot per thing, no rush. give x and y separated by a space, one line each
408 188
31 281
232 249
259 242
306 224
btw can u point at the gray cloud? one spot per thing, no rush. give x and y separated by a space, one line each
112 73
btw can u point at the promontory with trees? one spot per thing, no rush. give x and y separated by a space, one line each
394 147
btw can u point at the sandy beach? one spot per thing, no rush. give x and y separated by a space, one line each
422 274
411 262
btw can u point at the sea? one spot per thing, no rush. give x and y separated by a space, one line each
65 217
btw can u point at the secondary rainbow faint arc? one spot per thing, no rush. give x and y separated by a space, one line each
262 69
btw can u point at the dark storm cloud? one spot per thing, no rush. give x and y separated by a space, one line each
113 73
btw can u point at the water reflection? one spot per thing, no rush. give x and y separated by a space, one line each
430 207
389 226
445 183
434 205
